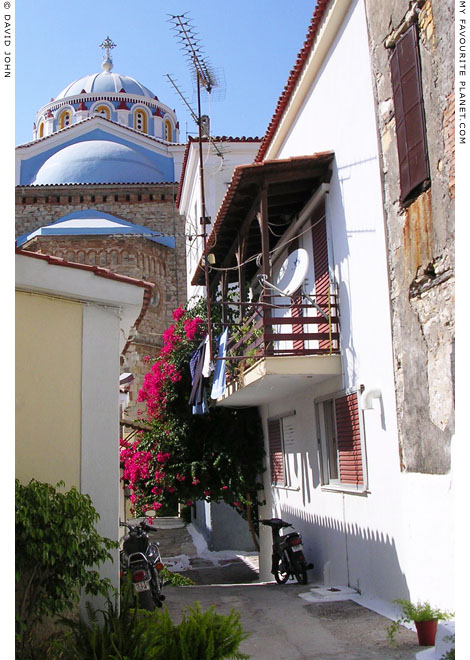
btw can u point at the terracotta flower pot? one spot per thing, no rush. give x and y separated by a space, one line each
426 632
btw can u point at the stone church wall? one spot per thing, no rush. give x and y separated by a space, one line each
420 237
149 206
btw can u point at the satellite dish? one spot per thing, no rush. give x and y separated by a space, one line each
292 272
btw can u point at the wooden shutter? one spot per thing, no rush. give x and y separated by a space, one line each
320 266
409 114
348 434
276 454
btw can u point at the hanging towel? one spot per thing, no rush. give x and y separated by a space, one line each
207 367
218 386
198 396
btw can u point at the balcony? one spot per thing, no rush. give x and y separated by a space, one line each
278 349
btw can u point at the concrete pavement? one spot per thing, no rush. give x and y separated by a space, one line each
288 622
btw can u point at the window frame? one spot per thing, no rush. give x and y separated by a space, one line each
168 130
67 113
140 112
286 482
324 445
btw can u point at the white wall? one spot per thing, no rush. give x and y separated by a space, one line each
373 541
217 176
100 422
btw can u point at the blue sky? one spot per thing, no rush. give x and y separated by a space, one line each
252 45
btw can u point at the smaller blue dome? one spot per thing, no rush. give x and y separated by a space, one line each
99 161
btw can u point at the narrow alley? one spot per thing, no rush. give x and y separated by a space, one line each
289 622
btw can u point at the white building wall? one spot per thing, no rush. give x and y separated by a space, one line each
217 175
382 542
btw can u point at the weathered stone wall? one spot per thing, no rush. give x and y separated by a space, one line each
420 237
149 206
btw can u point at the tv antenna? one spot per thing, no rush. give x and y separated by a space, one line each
205 80
204 124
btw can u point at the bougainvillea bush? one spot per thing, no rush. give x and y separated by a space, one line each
217 456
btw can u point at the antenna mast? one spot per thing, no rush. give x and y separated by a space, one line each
206 79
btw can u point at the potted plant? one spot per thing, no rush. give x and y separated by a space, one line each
424 617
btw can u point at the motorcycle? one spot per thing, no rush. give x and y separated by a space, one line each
141 559
288 557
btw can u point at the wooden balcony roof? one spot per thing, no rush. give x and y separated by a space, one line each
289 184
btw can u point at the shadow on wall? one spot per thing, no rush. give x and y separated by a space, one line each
222 527
347 554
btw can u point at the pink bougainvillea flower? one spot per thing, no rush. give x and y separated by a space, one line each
178 313
195 482
170 489
149 520
191 327
207 493
180 477
236 504
157 505
224 487
146 358
189 502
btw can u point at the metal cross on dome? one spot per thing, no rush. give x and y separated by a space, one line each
108 45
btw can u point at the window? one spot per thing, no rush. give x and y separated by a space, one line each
281 441
103 110
65 119
409 116
140 121
41 129
168 131
341 441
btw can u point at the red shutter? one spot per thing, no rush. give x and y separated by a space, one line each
348 433
320 266
409 113
275 451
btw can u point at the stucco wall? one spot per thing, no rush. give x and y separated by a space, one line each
420 238
48 387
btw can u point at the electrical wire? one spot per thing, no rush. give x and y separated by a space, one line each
276 249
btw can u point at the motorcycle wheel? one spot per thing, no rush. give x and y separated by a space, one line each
145 601
157 585
300 571
280 572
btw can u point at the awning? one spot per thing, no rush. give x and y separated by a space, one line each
289 184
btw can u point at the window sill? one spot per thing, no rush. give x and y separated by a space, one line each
279 487
344 488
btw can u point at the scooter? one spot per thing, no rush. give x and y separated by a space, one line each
142 560
288 556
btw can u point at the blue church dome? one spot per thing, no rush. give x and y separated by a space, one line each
105 81
102 161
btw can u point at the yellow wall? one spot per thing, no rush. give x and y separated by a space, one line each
48 389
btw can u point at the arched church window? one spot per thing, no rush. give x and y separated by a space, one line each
103 110
168 131
140 121
41 129
65 119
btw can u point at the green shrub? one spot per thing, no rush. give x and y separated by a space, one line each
199 636
56 546
110 634
132 634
